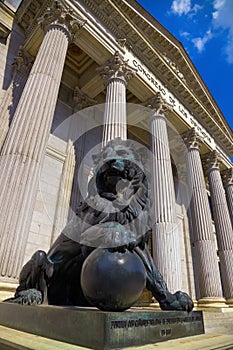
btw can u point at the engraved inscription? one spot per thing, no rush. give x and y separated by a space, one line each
165 332
170 98
150 322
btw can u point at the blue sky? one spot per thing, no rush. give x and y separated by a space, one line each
205 28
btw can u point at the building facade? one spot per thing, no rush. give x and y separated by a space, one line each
76 74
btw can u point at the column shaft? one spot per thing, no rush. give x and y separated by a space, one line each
228 184
204 243
222 224
115 123
25 144
116 72
65 189
166 247
21 68
229 193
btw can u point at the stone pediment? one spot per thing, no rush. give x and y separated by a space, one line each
165 56
134 29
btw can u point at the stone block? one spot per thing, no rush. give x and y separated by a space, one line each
100 330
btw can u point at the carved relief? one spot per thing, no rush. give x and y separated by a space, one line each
22 62
81 100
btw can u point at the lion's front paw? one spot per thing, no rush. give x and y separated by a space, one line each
26 297
177 301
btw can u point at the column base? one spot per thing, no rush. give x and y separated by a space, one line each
195 304
7 290
154 304
230 302
211 303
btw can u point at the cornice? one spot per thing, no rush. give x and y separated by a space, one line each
6 20
28 13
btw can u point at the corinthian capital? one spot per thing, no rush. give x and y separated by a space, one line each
117 67
58 15
227 176
212 160
191 139
158 104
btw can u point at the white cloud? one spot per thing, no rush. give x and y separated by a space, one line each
223 18
218 4
183 7
185 34
199 42
180 7
196 8
229 50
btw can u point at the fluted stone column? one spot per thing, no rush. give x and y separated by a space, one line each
228 184
20 70
117 73
26 141
222 224
64 196
81 101
165 239
203 236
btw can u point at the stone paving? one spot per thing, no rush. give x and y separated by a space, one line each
11 339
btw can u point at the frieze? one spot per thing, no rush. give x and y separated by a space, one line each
158 86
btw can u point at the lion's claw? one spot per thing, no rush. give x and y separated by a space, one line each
177 301
27 297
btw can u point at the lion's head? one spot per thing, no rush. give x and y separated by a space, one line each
119 169
116 209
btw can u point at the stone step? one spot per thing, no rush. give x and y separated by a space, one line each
221 329
218 322
218 314
11 339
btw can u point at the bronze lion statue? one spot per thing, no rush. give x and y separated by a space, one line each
119 196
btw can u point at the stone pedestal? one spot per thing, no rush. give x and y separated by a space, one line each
100 330
24 147
203 237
